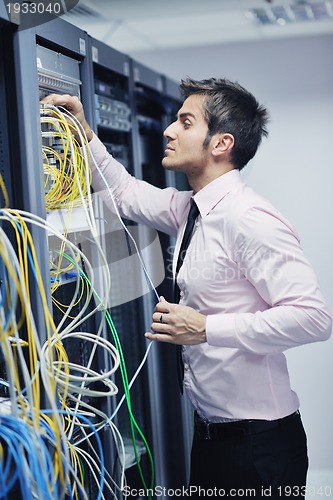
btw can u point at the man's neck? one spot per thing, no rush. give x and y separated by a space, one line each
199 182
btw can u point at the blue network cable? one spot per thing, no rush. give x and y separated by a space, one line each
27 450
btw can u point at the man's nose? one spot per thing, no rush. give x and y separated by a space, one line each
169 132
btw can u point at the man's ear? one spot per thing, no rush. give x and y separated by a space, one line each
222 143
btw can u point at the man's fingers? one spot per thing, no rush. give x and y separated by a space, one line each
72 103
160 317
159 337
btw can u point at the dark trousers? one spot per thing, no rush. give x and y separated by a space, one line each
245 462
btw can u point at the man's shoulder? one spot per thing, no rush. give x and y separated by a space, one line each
244 198
250 210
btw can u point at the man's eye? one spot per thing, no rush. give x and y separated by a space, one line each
187 124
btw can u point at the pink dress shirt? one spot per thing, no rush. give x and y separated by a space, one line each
245 270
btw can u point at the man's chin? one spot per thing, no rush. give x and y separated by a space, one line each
167 164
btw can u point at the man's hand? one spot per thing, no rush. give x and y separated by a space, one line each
177 324
73 105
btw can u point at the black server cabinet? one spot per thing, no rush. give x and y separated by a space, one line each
52 58
43 63
64 66
8 106
111 101
20 164
130 113
69 41
154 109
128 106
151 107
114 124
8 148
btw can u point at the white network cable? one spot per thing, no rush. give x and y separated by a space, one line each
46 362
79 126
84 140
43 354
47 365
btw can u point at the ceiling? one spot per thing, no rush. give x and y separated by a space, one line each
132 26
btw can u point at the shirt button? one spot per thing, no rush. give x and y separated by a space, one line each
186 367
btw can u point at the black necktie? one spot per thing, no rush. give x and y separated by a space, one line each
192 215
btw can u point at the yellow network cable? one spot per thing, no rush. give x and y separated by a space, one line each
61 306
64 194
21 240
66 180
25 247
66 185
57 268
24 303
12 283
69 184
4 191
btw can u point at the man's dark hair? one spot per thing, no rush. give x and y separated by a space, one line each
229 108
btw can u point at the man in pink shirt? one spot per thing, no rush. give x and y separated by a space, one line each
246 292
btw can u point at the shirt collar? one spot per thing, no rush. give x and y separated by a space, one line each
209 196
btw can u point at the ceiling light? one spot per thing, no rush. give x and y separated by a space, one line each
291 13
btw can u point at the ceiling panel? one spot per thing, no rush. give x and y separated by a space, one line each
141 25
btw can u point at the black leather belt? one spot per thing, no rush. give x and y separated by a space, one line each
240 428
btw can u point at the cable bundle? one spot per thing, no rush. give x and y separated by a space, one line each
25 367
47 452
67 180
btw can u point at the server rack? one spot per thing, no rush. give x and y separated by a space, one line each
50 58
8 129
138 139
68 47
113 123
154 108
11 191
21 158
7 102
57 56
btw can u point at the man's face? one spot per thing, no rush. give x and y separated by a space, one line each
184 151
